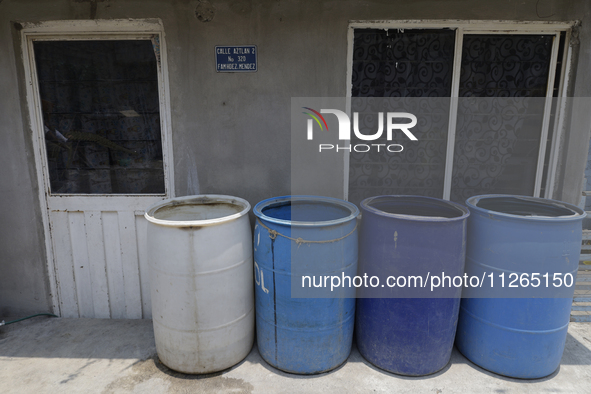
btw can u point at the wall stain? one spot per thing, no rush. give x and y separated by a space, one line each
243 7
152 369
205 11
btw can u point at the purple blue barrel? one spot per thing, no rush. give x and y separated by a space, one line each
409 330
298 236
512 238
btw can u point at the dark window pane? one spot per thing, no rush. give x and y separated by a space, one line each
101 116
415 64
503 82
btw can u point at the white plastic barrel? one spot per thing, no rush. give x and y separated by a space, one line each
200 256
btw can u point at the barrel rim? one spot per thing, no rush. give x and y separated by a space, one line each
149 213
258 210
370 209
580 214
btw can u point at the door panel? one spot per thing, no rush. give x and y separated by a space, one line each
101 147
101 263
96 256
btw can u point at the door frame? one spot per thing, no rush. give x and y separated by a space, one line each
89 30
486 27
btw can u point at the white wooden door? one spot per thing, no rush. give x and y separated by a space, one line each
102 148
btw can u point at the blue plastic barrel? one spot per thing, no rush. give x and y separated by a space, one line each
512 236
316 235
404 236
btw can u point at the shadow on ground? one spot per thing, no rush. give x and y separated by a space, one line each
49 337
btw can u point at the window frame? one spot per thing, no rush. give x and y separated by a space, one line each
463 28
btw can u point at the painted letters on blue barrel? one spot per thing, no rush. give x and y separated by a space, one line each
513 235
315 235
404 236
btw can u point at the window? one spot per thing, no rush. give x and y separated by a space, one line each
496 137
101 115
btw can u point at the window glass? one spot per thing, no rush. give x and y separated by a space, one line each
415 64
503 83
101 116
498 132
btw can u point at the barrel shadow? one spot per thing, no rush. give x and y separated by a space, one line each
577 351
356 357
459 358
255 357
180 375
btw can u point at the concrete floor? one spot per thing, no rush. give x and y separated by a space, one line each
51 355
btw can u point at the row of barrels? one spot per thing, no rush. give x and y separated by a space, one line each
303 277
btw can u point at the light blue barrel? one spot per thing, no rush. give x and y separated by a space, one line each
317 236
516 237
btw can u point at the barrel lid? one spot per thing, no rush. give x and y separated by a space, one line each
415 208
524 208
348 211
198 210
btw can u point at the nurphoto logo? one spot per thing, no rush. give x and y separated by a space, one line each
345 130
